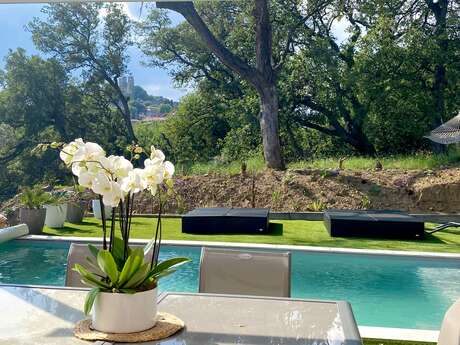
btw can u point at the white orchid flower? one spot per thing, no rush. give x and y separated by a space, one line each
120 166
168 170
89 152
134 182
114 197
87 158
85 179
153 189
154 174
114 177
109 189
68 151
156 156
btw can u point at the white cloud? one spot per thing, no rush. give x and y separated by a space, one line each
165 90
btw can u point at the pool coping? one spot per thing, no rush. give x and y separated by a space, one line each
387 333
405 334
256 246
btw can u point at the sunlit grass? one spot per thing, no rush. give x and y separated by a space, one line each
254 164
292 232
417 161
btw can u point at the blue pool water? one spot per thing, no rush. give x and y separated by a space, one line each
404 292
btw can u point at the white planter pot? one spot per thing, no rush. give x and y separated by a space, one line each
125 313
97 210
55 215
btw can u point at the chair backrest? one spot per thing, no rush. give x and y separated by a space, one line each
245 273
450 329
77 255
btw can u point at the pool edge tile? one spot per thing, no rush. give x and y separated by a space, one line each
256 245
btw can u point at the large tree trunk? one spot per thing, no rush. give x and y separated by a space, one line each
269 127
126 113
263 77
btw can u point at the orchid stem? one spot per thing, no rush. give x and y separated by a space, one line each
104 229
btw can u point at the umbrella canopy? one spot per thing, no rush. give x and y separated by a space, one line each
447 133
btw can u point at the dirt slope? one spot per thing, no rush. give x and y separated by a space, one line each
312 190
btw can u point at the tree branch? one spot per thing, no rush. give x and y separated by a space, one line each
232 61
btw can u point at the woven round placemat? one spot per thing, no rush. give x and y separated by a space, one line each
166 326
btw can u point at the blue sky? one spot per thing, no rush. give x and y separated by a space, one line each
13 19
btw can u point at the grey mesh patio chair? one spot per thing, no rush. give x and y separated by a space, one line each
450 329
245 273
77 254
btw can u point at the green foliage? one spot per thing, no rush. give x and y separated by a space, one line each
151 133
95 46
134 275
192 134
35 197
357 95
41 103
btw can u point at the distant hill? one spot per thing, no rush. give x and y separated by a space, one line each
144 105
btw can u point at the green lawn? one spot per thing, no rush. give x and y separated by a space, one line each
295 232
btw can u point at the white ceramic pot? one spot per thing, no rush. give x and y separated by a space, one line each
97 210
125 313
55 215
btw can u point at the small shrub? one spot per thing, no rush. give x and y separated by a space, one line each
35 197
276 197
365 202
316 206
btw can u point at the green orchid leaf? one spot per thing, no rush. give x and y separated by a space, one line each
89 300
94 284
107 264
138 252
89 278
118 247
174 262
129 291
132 264
157 275
93 249
92 263
138 277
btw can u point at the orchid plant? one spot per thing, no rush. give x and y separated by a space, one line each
116 267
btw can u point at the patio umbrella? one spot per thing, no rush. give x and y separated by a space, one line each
447 133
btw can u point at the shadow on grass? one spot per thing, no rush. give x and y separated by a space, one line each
275 229
72 229
429 239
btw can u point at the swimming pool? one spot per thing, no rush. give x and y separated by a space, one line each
384 291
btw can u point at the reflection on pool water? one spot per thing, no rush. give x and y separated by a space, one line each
387 291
